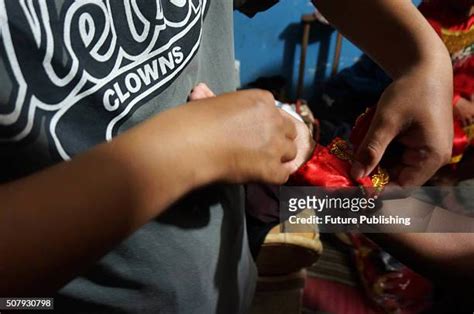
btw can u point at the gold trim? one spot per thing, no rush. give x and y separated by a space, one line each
455 159
457 40
340 148
380 179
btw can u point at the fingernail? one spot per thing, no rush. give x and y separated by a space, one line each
358 170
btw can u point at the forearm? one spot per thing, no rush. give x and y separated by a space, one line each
440 256
429 253
55 223
392 32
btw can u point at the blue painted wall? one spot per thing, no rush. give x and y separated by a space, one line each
269 44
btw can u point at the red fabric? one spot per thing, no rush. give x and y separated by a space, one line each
326 168
323 169
395 289
333 297
401 291
450 20
361 127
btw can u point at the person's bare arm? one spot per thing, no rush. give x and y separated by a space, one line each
416 107
55 223
430 244
439 256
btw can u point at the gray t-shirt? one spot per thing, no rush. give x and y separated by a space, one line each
77 73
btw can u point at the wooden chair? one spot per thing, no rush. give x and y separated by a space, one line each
307 20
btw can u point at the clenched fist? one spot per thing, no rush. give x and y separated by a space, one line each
252 139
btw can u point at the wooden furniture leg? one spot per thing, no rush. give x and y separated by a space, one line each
337 54
304 48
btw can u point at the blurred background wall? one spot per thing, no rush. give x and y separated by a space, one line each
269 44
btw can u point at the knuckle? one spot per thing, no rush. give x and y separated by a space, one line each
265 96
279 119
294 127
281 177
268 114
273 147
293 150
294 167
261 97
268 135
275 120
446 153
446 158
441 158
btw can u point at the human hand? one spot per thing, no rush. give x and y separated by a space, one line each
304 141
415 111
252 140
464 111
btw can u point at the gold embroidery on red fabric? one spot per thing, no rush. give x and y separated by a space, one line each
380 179
457 40
456 159
340 148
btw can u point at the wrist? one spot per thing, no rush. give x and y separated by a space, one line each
428 55
163 159
210 140
432 78
436 64
195 141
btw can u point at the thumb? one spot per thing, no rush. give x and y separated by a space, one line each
381 132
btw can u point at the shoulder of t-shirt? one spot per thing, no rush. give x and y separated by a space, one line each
252 7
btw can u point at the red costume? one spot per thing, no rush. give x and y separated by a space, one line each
329 166
456 29
393 288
